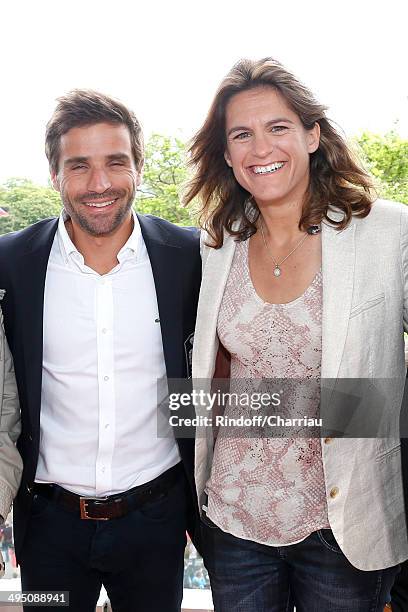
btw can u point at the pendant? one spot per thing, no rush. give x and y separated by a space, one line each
277 271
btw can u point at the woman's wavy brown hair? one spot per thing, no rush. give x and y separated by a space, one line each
336 179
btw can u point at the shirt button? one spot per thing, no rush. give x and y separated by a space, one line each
104 330
334 492
328 440
102 469
107 425
106 378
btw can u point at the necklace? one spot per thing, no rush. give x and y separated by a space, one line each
278 271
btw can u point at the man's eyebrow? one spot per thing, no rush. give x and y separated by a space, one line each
82 159
118 157
240 128
75 160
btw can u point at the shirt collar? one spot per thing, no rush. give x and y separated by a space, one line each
129 249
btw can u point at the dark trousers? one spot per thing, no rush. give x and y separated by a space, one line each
139 558
312 575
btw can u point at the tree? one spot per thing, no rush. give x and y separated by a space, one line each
25 202
386 156
164 174
163 178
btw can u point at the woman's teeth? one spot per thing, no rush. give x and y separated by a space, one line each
267 169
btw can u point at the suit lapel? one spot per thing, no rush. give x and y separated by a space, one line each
165 259
32 272
338 253
32 268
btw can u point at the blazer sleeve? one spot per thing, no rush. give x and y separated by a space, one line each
404 263
10 426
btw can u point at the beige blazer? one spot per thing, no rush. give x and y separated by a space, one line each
365 311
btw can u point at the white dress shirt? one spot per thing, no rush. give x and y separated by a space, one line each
103 358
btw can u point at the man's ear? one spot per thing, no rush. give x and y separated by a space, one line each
54 181
227 158
139 176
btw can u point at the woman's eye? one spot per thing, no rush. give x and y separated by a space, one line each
276 129
242 136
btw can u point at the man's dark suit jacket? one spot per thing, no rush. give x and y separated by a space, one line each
175 260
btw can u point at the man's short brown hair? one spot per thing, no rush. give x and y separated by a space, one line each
83 107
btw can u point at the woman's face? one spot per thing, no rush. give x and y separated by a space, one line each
268 148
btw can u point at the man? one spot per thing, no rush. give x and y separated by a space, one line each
99 308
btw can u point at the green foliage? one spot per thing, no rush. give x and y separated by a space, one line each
163 177
386 156
165 172
26 203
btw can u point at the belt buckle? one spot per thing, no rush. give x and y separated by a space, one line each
83 503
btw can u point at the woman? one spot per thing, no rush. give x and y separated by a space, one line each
10 460
304 279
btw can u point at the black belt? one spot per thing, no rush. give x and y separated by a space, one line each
112 506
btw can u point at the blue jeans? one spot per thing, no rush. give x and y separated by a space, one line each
312 575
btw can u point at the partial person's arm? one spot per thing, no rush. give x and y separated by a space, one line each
404 264
10 461
399 593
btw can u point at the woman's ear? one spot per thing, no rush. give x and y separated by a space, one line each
314 138
227 158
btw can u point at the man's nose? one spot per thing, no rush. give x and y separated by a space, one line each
99 181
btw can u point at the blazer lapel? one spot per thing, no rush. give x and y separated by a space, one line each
166 265
32 272
215 276
338 253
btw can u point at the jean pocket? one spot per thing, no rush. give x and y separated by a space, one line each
328 540
39 506
156 510
166 504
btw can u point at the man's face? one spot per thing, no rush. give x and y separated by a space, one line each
97 177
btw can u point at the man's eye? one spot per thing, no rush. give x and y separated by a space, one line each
276 129
117 164
78 167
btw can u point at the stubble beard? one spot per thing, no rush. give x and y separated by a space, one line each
98 226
